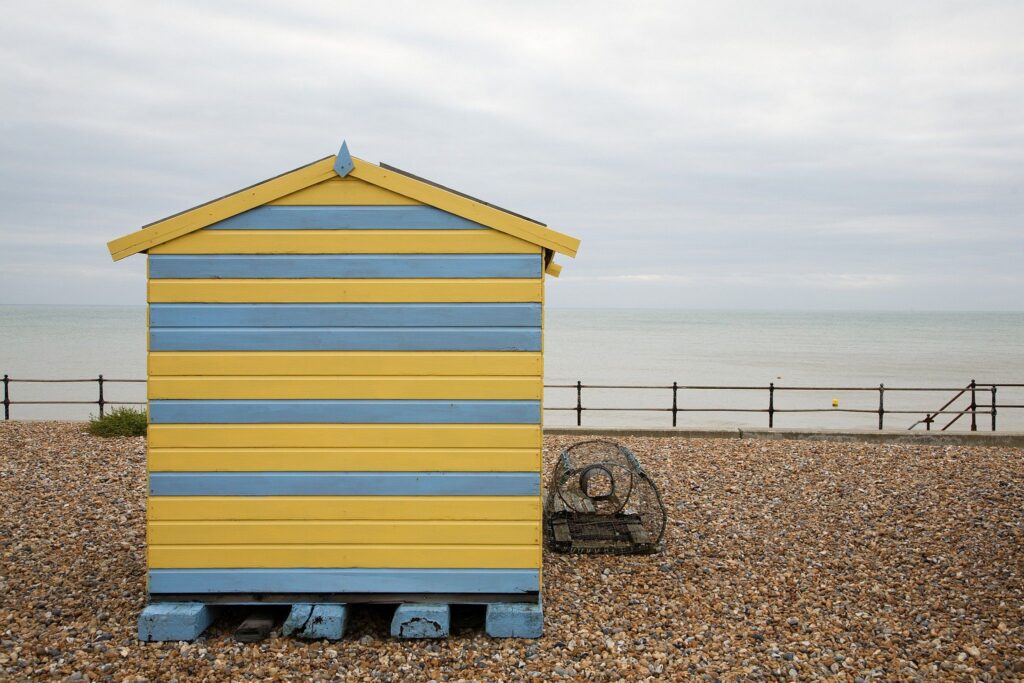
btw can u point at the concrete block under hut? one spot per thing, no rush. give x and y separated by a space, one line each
345 384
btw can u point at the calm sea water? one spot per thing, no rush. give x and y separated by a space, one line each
617 346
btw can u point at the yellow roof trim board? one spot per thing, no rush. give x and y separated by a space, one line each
465 207
343 164
218 209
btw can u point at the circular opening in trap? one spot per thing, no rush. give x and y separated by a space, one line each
597 482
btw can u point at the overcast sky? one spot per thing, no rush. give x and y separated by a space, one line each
776 155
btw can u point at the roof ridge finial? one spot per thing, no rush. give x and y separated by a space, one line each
343 164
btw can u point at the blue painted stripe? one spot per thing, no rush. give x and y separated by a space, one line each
344 580
345 266
345 339
345 315
302 411
344 484
345 218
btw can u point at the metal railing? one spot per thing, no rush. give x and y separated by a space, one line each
972 390
974 409
100 401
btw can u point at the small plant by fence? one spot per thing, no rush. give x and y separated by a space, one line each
980 400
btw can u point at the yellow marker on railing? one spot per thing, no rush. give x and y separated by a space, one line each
835 403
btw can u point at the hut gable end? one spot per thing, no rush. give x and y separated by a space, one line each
349 189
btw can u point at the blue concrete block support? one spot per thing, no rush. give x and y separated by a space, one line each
297 619
316 622
427 620
174 621
515 620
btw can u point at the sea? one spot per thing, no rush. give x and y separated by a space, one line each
834 352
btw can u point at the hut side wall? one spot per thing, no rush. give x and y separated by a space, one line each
345 396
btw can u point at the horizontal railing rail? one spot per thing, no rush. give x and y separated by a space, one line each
973 409
100 381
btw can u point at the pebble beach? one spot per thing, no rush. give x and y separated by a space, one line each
784 560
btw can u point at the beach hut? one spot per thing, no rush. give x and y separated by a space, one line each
345 379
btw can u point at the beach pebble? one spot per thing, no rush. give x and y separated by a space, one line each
784 560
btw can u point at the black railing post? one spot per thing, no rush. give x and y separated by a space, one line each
927 422
7 397
579 403
101 401
771 405
974 407
675 403
881 405
993 407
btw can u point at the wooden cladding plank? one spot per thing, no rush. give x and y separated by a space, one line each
184 223
344 191
346 339
345 218
355 363
365 387
344 436
344 483
346 242
343 411
327 556
467 207
370 580
346 315
162 266
213 508
351 460
311 532
316 290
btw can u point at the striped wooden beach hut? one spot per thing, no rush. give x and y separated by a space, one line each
345 382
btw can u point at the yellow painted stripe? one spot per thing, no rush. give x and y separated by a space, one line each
321 556
346 242
369 291
186 508
468 208
344 192
181 224
408 363
254 387
343 436
311 532
342 460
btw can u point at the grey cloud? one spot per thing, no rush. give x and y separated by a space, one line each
747 154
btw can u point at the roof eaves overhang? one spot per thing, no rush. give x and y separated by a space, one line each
343 164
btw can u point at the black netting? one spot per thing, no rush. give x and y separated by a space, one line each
600 500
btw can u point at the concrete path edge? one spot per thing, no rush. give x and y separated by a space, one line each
920 438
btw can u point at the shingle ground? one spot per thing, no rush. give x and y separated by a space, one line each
791 560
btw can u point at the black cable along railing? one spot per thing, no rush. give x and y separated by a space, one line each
971 390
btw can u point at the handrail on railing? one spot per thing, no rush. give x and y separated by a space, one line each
927 420
973 409
100 381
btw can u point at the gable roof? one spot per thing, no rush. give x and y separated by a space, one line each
343 164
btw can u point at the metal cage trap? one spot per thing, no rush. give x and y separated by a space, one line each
601 501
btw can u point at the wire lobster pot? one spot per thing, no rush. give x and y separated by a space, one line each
601 501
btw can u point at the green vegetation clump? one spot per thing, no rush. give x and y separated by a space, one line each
119 422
